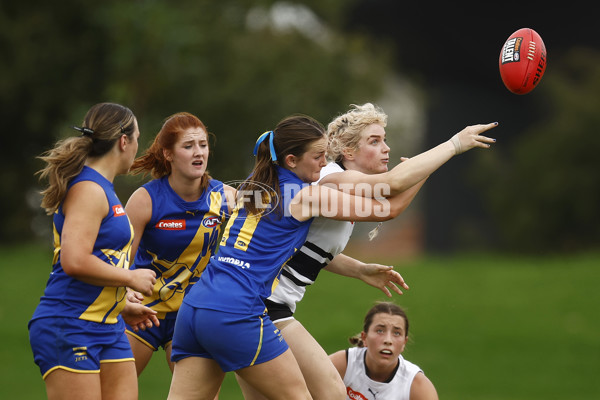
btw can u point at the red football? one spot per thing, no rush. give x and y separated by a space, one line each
522 61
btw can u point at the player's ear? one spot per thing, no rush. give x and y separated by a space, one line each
123 142
167 155
348 153
291 160
363 338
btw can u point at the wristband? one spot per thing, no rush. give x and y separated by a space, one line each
456 142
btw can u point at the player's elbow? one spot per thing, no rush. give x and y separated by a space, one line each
72 265
397 208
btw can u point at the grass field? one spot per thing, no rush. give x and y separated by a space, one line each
484 327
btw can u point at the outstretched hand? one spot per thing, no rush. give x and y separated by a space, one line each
383 277
470 137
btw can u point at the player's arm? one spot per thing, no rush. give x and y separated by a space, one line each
382 277
139 211
417 168
401 201
85 206
323 201
339 362
422 388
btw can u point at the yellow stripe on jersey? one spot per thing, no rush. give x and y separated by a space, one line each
232 219
56 244
107 306
246 233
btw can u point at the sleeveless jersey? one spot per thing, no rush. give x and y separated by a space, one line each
253 248
326 239
65 296
178 241
360 386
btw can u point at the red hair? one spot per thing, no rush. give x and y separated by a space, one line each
153 161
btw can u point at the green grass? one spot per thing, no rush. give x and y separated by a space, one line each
485 327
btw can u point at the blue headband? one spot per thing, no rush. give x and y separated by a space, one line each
262 137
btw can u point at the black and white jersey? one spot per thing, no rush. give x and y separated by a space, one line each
326 239
360 386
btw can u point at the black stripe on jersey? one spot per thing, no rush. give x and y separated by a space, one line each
318 250
295 280
305 266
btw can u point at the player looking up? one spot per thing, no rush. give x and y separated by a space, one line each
359 157
375 368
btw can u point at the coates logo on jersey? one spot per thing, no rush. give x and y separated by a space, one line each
118 210
355 395
171 224
211 222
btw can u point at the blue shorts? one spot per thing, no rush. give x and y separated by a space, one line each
77 345
234 341
156 336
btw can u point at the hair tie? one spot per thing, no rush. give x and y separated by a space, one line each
84 131
261 138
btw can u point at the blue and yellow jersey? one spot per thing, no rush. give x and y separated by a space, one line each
252 251
178 241
65 296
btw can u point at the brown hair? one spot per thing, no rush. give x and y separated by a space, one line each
153 161
103 125
292 135
385 307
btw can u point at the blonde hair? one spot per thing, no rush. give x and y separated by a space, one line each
344 132
104 124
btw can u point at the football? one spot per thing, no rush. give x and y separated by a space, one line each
522 61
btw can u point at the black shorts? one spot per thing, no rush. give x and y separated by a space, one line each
278 311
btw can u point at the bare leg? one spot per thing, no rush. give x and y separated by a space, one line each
196 378
277 379
168 355
248 391
118 380
322 379
141 352
66 385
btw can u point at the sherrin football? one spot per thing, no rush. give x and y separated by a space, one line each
522 61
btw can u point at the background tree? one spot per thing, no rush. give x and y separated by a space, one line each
239 66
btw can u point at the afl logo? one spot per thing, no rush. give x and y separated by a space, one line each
211 222
241 243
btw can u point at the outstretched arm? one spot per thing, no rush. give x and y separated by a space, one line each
379 276
417 168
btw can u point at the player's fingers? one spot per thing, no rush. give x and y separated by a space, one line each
485 127
383 268
386 291
485 139
395 288
397 278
